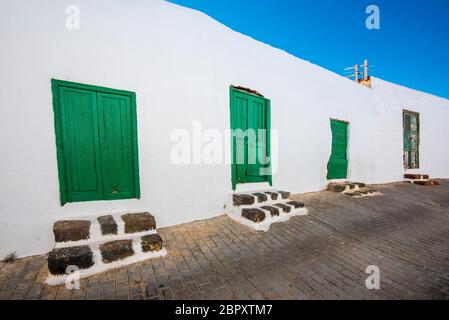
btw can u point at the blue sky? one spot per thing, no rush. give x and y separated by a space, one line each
411 48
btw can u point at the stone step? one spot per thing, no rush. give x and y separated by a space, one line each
415 176
248 199
426 183
96 244
104 227
90 259
258 214
345 186
361 192
259 209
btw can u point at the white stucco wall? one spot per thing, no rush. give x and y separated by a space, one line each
181 63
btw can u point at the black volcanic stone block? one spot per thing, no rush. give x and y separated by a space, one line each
60 258
260 197
71 230
116 250
284 207
107 225
242 199
254 215
138 222
296 204
151 242
274 195
273 211
284 194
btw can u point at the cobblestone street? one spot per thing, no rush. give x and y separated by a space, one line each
324 255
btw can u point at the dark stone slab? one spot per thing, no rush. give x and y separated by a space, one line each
415 176
260 197
138 222
426 182
107 225
336 187
274 195
116 250
284 194
360 184
151 242
352 185
296 204
71 230
254 215
273 211
60 258
284 207
242 199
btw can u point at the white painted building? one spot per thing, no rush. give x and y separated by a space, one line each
180 64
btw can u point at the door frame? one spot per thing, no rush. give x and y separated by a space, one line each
418 129
55 85
232 91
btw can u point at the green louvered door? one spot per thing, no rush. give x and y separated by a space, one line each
411 139
337 167
250 122
97 142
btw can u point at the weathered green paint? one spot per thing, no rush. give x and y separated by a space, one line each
337 167
250 156
96 139
411 139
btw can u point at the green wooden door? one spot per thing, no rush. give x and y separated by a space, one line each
250 124
96 141
411 139
81 145
337 167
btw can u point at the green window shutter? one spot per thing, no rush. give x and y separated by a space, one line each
96 135
337 167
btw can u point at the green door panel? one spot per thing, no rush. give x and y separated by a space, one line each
96 137
116 145
411 139
337 167
80 138
250 148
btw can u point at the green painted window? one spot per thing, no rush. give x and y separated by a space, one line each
96 137
411 139
337 167
250 153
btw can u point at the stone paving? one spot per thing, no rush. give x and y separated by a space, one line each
324 255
